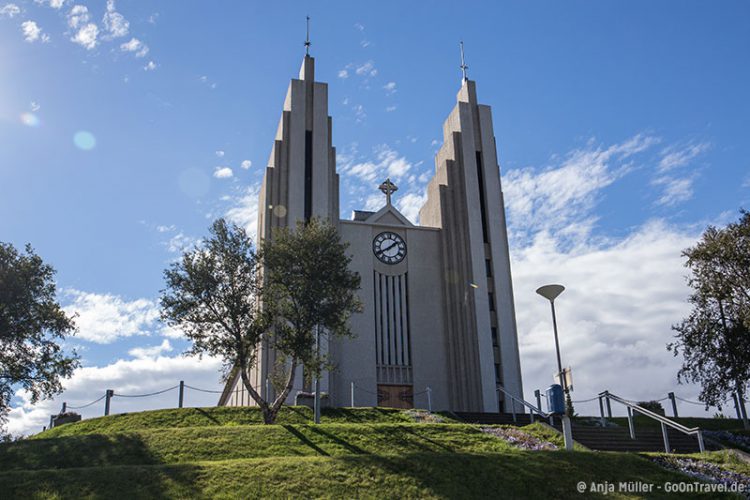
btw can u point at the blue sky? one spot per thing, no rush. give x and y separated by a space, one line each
622 130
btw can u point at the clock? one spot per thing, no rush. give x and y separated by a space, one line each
389 248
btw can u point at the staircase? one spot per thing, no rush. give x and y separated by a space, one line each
598 438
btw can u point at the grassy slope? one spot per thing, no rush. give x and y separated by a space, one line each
216 452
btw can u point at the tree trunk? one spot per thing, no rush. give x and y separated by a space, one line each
269 415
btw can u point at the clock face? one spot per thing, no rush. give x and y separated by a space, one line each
389 248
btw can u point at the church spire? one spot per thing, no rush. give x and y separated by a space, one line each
463 66
307 39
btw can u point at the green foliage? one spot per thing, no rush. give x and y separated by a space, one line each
715 338
654 406
213 295
32 329
308 286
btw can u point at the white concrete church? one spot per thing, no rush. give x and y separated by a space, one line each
438 297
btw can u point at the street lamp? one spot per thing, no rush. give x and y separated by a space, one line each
551 292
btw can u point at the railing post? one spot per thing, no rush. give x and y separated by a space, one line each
352 394
531 415
737 405
429 400
65 407
666 437
609 405
701 446
744 411
630 423
182 392
538 396
513 408
674 403
601 410
109 395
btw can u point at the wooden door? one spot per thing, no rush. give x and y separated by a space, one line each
396 396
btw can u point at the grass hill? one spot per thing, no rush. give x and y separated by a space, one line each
354 453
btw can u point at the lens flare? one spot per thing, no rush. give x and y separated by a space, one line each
30 120
84 140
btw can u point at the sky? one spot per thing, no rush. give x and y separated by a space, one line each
127 127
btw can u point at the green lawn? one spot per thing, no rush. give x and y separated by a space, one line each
355 453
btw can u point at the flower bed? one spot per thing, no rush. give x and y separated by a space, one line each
705 471
425 417
519 438
730 438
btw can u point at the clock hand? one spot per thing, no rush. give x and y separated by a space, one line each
382 250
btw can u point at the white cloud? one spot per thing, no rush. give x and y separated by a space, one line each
562 196
143 375
409 205
180 242
220 153
223 172
151 352
150 66
388 163
614 318
343 73
34 106
9 10
390 108
32 32
103 318
78 16
675 156
390 88
55 4
135 45
166 229
87 36
676 190
359 26
115 23
246 164
366 69
244 211
359 113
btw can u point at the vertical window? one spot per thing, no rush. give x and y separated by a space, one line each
488 267
482 209
491 298
308 174
494 335
497 372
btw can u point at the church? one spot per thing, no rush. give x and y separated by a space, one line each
438 297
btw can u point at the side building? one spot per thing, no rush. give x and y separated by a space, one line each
438 297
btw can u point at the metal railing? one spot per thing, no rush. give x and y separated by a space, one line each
607 396
532 409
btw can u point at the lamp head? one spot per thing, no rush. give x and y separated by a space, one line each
550 292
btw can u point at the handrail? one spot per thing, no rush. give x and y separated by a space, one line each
696 431
524 403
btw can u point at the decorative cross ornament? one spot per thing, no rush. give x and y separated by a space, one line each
307 40
463 66
388 188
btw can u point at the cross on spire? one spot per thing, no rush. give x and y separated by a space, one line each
388 188
307 40
463 66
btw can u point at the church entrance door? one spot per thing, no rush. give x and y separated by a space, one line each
396 396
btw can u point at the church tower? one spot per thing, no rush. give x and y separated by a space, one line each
437 326
465 200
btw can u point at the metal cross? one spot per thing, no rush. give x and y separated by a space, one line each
463 66
307 40
388 188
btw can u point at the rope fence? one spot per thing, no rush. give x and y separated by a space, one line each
739 403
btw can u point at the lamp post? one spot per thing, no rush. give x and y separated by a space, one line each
551 292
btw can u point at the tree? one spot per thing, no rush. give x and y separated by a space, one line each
310 291
715 338
230 299
32 328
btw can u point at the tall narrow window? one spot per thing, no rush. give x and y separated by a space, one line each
491 298
482 209
494 335
308 174
488 267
